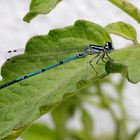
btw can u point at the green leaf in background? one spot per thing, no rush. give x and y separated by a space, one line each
39 132
78 135
123 29
40 7
127 7
126 62
26 101
135 134
62 113
87 122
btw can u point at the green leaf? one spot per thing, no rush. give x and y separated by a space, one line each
39 132
120 86
135 134
105 137
126 62
79 135
123 29
127 7
87 122
62 113
24 102
40 7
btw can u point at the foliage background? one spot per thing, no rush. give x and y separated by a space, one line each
14 35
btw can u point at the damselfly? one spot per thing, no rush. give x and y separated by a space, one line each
97 50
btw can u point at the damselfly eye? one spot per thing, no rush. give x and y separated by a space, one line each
108 46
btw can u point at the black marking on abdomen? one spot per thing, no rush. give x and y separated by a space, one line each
43 70
7 84
25 77
61 62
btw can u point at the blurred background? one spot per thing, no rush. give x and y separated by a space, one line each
14 33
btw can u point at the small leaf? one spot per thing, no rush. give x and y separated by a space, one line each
40 7
126 62
62 113
79 135
135 134
123 29
120 86
39 132
87 122
127 7
113 67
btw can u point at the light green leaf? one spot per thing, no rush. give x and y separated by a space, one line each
79 135
39 132
105 137
135 134
127 7
62 113
40 7
24 102
87 122
126 62
123 29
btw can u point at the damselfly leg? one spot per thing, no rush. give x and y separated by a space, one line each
99 51
91 60
101 57
108 56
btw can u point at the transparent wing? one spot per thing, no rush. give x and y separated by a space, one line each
12 53
40 55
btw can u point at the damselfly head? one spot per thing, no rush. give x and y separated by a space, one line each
108 47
